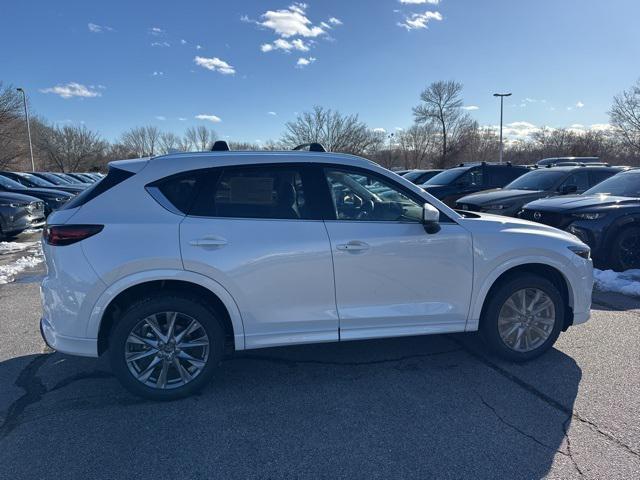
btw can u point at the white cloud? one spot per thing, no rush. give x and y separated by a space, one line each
379 130
290 22
579 104
286 45
419 2
303 62
471 107
162 118
156 31
95 28
399 129
160 44
183 41
272 113
182 119
419 20
198 47
215 64
72 89
208 118
157 74
335 21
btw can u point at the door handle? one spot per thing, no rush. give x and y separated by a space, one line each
353 246
209 242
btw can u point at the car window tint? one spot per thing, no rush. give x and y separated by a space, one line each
501 176
181 189
473 177
357 196
256 192
600 175
579 179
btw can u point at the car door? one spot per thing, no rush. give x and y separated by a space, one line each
255 230
391 277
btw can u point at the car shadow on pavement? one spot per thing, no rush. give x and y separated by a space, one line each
422 407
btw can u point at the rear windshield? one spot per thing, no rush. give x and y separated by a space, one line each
623 185
113 178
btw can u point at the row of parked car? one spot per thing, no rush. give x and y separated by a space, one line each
27 198
597 202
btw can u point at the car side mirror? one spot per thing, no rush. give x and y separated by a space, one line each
567 189
430 218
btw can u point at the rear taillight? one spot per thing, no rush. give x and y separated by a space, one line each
61 235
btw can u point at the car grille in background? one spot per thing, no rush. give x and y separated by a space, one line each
552 219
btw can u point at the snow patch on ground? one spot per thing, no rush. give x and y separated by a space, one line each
626 283
12 247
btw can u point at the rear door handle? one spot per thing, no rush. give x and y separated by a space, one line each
209 242
353 246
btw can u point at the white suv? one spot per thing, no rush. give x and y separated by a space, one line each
170 261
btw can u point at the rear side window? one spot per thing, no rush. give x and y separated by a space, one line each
178 192
598 176
113 178
269 191
579 179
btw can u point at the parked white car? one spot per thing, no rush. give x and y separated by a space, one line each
169 261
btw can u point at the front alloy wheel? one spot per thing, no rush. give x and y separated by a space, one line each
523 317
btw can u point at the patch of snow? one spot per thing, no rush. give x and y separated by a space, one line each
11 247
626 283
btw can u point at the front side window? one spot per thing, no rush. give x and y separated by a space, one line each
579 179
358 196
273 192
473 177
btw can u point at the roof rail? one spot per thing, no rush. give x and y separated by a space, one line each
220 146
313 147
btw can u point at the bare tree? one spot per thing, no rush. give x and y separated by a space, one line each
199 138
442 105
337 132
143 141
169 142
417 146
13 133
71 148
625 116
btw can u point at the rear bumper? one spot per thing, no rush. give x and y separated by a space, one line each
84 347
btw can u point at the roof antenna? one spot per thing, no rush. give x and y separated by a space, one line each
220 146
313 147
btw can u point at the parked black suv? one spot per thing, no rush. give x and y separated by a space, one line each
540 183
30 180
605 217
450 185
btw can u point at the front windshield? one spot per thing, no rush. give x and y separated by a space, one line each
536 180
53 179
411 176
11 184
39 182
446 177
623 185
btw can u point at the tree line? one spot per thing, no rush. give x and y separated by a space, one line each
443 134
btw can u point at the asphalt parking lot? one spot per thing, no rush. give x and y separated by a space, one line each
424 407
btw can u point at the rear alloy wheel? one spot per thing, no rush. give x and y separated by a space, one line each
626 250
523 318
166 347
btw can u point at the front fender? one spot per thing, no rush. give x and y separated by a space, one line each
93 326
498 267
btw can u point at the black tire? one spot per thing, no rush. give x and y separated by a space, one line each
625 250
166 302
499 295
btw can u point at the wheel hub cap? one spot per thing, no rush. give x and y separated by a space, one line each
526 319
167 350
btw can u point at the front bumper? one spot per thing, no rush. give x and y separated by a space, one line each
84 347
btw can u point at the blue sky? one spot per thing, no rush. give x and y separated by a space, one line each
236 65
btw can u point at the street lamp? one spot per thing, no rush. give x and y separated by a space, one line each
501 95
26 116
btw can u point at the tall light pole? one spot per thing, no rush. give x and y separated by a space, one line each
26 116
501 95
